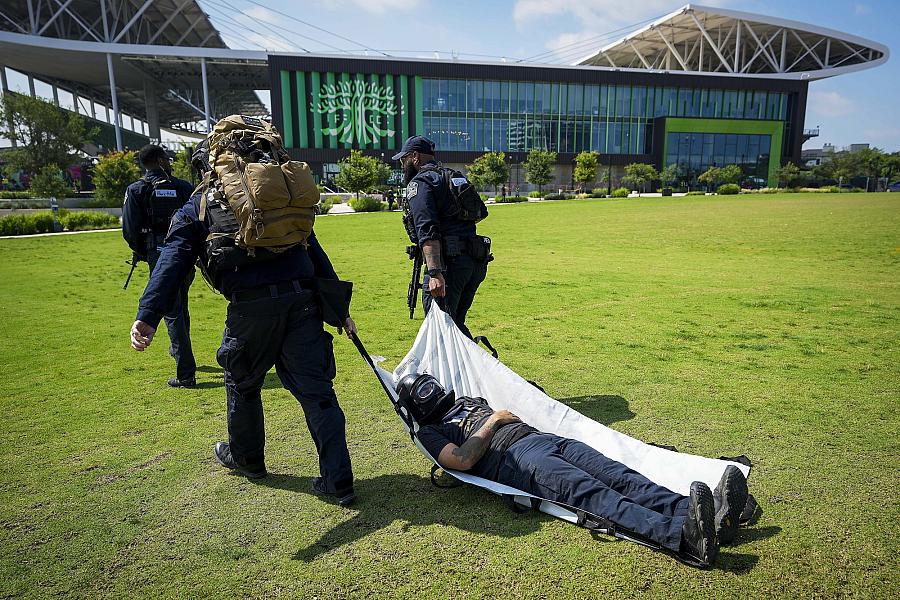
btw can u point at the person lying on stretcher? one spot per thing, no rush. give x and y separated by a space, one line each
465 434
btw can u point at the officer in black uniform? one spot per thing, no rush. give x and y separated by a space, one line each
149 205
273 319
455 256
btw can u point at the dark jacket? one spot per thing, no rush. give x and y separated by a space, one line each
185 243
135 211
427 195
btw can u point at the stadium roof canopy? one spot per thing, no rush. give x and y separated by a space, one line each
158 51
699 39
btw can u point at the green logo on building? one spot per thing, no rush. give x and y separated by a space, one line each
359 107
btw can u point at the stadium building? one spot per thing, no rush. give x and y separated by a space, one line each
699 87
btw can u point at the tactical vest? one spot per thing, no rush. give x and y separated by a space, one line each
463 201
161 201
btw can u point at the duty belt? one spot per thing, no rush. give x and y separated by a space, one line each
478 247
274 290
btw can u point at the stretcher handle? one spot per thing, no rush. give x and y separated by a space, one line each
362 350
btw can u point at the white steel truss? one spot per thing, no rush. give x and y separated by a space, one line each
698 39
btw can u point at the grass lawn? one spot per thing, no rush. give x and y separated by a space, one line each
764 325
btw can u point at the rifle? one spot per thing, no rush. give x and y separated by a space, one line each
135 259
415 255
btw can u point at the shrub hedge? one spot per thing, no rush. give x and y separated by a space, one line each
728 189
42 222
84 220
325 205
535 194
510 199
695 193
366 204
15 195
621 193
557 197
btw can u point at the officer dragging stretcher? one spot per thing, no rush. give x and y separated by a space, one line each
440 210
149 205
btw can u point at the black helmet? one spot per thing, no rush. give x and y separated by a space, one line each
424 398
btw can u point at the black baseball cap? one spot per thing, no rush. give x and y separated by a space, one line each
416 143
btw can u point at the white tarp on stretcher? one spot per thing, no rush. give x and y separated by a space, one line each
461 365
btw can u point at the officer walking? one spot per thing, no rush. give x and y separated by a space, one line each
149 205
441 209
272 319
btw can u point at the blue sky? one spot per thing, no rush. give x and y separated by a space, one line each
858 107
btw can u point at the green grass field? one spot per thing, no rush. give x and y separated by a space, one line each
764 325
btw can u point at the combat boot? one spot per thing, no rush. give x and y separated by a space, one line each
730 497
698 535
222 452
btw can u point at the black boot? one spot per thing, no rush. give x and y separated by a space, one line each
730 497
223 455
698 538
344 497
183 383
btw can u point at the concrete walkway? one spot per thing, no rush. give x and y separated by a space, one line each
34 235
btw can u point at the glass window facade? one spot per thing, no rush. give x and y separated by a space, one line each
480 115
696 152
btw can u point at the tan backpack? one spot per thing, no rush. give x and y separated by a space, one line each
272 197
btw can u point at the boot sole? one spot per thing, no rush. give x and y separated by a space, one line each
734 497
705 516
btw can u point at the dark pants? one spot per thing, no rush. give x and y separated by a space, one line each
285 332
463 276
575 474
178 322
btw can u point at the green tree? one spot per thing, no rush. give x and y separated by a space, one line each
872 162
639 175
786 174
711 177
181 166
49 183
670 174
731 174
360 173
586 165
113 173
489 169
890 166
45 134
539 168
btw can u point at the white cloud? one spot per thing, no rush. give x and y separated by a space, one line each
375 7
892 134
595 17
598 15
830 104
862 9
259 13
573 46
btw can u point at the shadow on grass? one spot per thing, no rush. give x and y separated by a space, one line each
601 408
387 499
748 535
271 381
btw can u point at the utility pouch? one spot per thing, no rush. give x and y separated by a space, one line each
480 249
